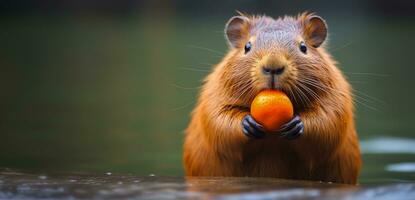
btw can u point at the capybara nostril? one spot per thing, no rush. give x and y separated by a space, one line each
273 71
279 70
266 70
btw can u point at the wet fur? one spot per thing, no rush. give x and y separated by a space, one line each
328 150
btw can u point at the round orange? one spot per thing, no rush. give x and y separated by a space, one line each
272 109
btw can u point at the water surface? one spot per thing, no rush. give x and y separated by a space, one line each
29 185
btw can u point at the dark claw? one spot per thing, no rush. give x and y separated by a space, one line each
290 124
299 133
251 128
254 123
293 129
246 132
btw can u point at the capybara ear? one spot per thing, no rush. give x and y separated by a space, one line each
314 29
236 30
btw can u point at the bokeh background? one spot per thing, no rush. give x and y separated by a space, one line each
109 85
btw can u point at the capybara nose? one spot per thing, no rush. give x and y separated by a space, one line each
273 70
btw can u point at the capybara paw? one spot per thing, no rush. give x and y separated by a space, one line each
293 129
251 128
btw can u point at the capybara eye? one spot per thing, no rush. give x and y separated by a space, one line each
303 47
248 47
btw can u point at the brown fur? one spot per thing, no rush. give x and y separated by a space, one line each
327 151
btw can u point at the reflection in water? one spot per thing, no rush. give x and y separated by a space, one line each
388 160
398 191
401 167
260 188
388 145
27 185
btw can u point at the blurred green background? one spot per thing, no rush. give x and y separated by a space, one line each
109 85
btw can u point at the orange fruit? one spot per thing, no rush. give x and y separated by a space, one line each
272 109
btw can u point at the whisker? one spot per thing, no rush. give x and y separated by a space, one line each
244 90
358 82
304 95
184 106
194 69
206 49
207 64
364 104
185 88
367 74
357 97
311 92
368 96
371 99
341 47
299 96
292 94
